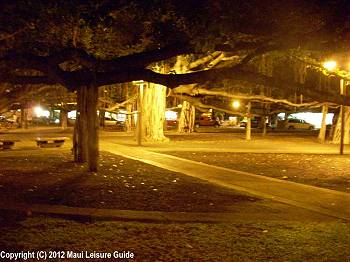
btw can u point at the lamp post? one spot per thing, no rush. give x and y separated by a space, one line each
330 66
139 112
341 149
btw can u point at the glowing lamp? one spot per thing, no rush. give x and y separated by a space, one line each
236 104
330 65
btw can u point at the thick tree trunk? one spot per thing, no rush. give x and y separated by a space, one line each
264 129
92 127
129 122
249 126
187 118
337 129
322 133
80 128
101 117
64 118
24 116
153 112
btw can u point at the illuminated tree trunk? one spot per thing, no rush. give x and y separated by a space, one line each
337 130
24 116
322 133
187 118
130 107
249 126
129 122
153 112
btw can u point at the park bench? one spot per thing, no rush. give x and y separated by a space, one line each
46 142
7 143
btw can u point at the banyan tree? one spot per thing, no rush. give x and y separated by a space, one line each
251 47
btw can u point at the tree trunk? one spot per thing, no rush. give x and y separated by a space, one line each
322 133
129 121
92 127
64 118
337 129
249 126
101 117
187 118
264 129
24 116
153 112
80 136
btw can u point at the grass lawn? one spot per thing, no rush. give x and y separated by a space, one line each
121 183
52 178
246 241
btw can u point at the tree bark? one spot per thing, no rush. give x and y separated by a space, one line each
101 117
322 133
337 129
92 127
80 136
264 129
129 121
24 116
153 112
64 118
187 118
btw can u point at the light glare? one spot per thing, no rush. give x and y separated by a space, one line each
330 65
236 104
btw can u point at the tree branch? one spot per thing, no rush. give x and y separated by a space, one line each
195 101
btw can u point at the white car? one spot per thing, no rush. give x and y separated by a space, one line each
299 124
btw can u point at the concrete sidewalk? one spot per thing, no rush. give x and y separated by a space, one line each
324 201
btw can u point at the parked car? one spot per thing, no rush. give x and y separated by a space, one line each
207 121
7 123
299 124
253 124
171 123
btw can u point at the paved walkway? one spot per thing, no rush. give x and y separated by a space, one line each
324 201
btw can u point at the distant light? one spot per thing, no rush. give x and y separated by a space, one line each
236 104
179 105
232 118
330 65
170 115
57 121
72 114
40 112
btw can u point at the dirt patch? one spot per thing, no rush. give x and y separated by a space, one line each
328 171
121 183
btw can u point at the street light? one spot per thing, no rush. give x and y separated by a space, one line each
236 104
330 65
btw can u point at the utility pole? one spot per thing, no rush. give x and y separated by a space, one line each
139 115
342 91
